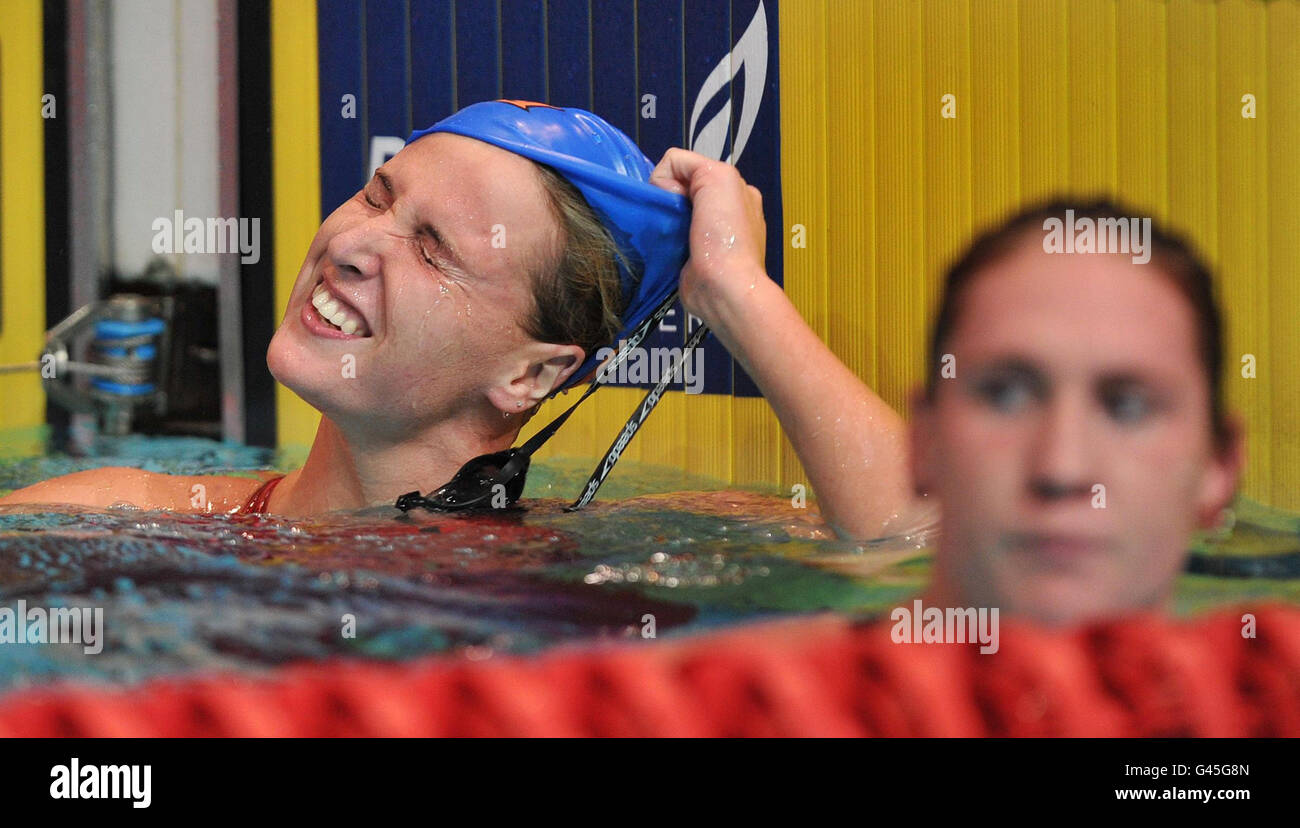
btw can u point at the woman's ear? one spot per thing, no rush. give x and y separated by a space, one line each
1222 474
537 369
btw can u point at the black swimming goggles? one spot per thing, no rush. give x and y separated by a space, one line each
496 481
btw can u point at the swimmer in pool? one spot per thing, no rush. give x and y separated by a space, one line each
1072 372
478 272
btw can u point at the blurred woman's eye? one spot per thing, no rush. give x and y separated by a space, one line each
1007 393
1127 405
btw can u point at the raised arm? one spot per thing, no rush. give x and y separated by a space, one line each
853 446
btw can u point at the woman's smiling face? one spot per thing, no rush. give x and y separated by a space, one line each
428 273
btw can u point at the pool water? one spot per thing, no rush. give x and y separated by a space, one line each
185 593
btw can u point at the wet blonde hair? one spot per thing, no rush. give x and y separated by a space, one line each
578 296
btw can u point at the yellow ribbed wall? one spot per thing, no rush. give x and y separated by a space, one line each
1136 98
1281 311
295 150
22 211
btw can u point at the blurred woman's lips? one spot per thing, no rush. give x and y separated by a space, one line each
1060 547
328 315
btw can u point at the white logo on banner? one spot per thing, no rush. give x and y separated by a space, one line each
750 55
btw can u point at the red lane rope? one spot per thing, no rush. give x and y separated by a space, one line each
1141 676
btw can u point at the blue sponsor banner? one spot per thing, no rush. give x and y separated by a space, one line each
343 136
432 62
478 52
387 57
613 64
695 73
523 50
568 53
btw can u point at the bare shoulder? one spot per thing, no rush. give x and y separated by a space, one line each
117 485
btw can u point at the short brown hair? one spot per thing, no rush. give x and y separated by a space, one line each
1176 257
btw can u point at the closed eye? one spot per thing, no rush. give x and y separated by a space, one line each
444 256
424 254
384 182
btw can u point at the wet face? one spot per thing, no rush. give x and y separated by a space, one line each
1072 453
407 309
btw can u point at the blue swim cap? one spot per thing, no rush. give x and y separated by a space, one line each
650 225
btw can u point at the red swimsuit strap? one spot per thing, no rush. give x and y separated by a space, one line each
256 504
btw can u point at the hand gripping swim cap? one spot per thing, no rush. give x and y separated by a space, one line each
649 224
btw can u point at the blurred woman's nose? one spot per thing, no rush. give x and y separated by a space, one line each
1060 460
